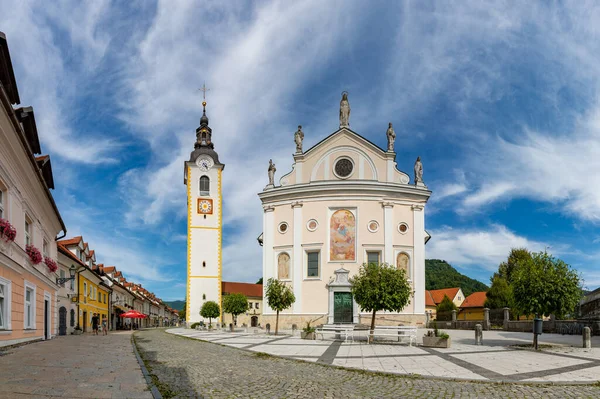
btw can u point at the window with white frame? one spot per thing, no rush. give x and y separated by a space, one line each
312 265
29 311
45 248
204 186
28 237
256 305
373 257
62 275
5 303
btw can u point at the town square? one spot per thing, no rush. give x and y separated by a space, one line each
299 199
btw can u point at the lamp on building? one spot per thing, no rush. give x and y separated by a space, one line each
62 280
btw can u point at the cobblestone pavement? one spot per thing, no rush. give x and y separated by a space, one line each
193 368
74 366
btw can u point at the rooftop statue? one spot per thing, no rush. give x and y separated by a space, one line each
418 171
344 110
271 172
298 137
391 137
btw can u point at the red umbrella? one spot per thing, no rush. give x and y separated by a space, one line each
133 314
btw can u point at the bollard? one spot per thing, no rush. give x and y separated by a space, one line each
478 334
268 328
587 337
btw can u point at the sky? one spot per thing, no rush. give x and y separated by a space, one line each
499 99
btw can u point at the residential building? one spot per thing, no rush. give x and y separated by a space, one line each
253 292
344 203
430 306
472 307
455 294
590 305
30 221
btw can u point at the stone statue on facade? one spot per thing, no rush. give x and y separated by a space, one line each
418 171
344 110
298 138
391 137
271 171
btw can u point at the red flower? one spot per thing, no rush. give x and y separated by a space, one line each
34 254
52 266
7 231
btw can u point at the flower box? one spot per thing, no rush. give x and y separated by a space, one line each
307 335
34 254
436 342
7 231
52 266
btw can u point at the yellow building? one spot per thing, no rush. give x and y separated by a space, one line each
93 295
253 316
472 307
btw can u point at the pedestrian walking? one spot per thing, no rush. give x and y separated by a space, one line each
95 323
104 325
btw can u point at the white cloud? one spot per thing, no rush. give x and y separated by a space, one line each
480 248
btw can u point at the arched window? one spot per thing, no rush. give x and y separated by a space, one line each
403 263
204 185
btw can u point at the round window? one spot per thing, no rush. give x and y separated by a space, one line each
283 227
402 228
373 226
343 168
312 225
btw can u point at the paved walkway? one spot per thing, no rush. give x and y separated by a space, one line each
74 366
197 369
496 360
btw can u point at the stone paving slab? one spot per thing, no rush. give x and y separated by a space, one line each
194 368
75 366
463 360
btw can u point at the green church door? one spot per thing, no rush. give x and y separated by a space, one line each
342 307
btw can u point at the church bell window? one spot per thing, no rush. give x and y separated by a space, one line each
204 186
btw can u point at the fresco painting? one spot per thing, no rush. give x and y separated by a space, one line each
342 241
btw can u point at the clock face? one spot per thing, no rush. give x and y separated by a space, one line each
205 206
205 163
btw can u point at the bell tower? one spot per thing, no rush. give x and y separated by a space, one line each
203 179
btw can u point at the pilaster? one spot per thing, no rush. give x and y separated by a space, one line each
388 231
268 237
297 272
419 257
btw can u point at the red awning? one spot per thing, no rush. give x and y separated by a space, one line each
133 314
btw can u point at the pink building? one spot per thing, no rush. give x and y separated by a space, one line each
29 221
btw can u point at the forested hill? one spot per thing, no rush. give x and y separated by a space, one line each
439 274
177 305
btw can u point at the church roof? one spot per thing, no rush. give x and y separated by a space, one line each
342 129
248 289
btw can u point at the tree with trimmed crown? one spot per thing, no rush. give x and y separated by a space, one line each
380 286
446 305
235 304
279 297
210 310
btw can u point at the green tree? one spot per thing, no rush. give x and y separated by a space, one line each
182 312
260 281
499 295
544 285
379 286
446 305
279 297
235 304
507 269
210 310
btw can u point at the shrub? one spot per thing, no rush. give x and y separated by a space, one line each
194 325
309 328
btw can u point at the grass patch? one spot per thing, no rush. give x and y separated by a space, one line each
263 355
530 346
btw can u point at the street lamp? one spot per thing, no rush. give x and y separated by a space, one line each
62 280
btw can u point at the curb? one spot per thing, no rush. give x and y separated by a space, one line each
153 389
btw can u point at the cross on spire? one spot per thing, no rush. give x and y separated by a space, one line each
203 89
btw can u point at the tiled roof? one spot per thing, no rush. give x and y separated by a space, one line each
475 300
70 241
429 299
109 269
253 290
438 295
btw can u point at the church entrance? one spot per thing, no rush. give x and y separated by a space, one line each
342 307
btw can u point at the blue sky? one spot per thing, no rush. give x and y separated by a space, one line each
499 100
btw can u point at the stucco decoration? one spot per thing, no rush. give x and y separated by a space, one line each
402 263
283 266
312 225
342 236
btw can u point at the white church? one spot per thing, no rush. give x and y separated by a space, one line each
343 203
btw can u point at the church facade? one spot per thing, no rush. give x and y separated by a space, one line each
343 204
